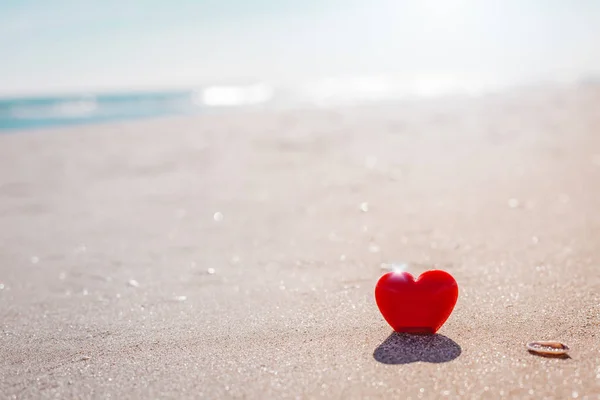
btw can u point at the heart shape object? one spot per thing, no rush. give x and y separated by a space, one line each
418 306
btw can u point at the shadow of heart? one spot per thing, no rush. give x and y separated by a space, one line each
404 348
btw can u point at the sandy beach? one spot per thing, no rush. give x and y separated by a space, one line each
235 255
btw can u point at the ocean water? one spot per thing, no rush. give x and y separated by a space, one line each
37 112
21 113
48 111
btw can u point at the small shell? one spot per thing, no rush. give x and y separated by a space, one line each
548 348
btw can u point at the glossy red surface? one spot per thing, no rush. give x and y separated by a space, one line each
418 306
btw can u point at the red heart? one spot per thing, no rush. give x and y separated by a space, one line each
418 306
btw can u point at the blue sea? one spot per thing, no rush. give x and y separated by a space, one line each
50 111
21 113
25 113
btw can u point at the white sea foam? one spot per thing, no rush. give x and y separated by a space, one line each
218 96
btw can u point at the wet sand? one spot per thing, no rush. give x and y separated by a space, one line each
227 256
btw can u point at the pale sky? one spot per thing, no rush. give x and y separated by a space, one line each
88 45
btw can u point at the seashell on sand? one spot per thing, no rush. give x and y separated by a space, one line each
548 348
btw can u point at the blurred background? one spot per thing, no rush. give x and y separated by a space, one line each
74 61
